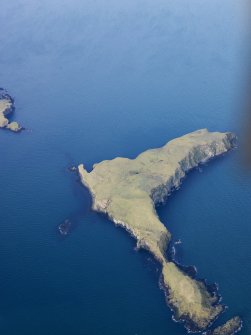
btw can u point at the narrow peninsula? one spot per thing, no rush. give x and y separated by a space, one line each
6 108
127 190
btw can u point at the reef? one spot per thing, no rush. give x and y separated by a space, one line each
128 190
65 227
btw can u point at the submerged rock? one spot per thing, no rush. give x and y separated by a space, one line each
64 228
128 190
73 169
231 327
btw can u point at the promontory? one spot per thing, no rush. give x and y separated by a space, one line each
127 190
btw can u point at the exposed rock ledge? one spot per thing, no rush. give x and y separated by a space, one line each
6 108
127 190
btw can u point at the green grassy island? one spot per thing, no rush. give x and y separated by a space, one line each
127 190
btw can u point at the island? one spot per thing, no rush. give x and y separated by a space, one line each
6 108
128 191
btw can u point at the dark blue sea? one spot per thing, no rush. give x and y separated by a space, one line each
96 79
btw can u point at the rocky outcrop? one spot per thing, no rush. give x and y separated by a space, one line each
6 108
231 327
127 190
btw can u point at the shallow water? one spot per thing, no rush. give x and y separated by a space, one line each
97 79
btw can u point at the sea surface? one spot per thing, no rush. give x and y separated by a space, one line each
97 79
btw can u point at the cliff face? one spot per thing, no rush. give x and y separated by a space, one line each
128 190
197 155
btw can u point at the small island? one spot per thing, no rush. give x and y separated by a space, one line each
128 190
6 108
